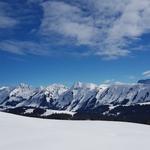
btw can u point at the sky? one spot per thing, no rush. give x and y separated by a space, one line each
62 41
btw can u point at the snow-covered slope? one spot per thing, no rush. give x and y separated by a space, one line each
125 94
19 94
44 97
4 94
77 95
22 133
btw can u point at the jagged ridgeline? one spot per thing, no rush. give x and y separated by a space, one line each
123 102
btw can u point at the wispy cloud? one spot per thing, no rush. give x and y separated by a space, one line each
113 81
146 73
24 47
108 81
6 21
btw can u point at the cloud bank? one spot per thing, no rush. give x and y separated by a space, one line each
108 28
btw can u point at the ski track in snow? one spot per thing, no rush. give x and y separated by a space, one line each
23 133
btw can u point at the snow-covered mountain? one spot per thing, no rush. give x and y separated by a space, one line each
81 97
44 97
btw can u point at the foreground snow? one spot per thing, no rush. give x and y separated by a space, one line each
22 133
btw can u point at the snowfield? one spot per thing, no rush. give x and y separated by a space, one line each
22 133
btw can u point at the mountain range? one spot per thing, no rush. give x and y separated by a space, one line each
123 102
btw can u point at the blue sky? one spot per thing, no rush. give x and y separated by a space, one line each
62 41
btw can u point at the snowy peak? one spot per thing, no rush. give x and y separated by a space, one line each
23 90
58 87
54 91
25 86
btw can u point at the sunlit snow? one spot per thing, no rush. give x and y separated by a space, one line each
22 133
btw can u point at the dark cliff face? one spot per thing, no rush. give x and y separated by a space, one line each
145 81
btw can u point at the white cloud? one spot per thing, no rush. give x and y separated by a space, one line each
6 21
36 48
146 73
133 22
69 21
107 27
108 81
113 81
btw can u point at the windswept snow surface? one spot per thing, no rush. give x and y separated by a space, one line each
22 133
